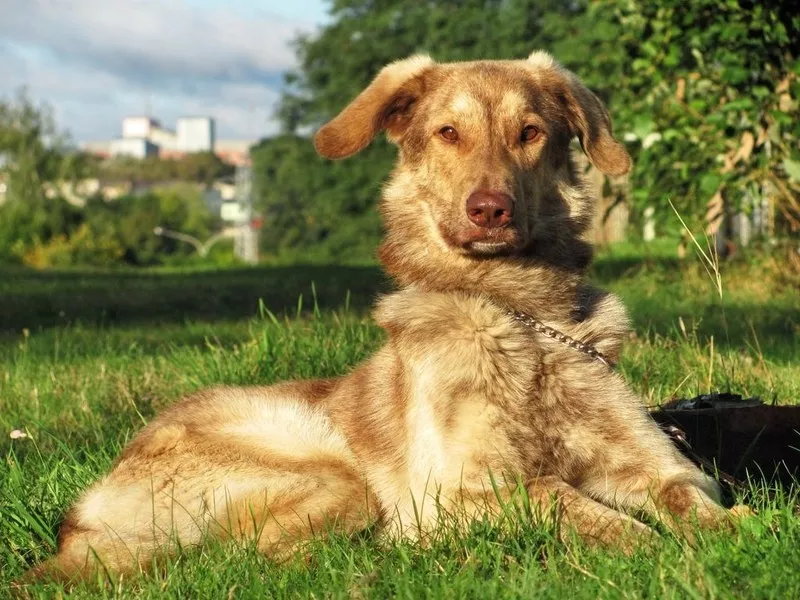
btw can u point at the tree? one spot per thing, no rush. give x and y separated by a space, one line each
32 153
323 208
707 91
199 167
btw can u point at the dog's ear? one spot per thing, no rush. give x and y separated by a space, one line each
592 124
588 119
385 104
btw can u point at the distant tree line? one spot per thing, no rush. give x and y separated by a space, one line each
199 167
705 93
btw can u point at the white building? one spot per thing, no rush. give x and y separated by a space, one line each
144 136
149 129
163 138
138 127
133 147
195 134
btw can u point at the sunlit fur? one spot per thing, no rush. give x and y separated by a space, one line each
461 403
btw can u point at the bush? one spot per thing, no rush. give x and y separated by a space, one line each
84 246
707 94
24 225
104 233
179 208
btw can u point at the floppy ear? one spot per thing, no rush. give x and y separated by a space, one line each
385 104
589 120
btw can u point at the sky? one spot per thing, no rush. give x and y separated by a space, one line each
96 61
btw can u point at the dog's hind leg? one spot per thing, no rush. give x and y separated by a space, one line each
117 530
329 497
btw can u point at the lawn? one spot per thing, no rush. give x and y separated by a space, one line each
87 357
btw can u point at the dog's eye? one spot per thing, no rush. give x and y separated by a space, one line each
449 134
529 133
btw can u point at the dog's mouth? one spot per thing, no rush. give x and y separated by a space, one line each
489 242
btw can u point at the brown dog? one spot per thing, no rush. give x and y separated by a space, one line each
485 216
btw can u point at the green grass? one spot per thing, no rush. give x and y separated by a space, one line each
87 357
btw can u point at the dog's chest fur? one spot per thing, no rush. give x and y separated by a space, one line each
460 394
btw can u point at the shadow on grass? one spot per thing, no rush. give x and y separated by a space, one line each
37 300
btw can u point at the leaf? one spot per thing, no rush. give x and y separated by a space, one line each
673 57
735 75
792 168
746 147
671 134
710 183
738 104
642 126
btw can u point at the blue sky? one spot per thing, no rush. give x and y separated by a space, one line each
95 61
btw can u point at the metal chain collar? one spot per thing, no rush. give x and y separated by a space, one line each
539 327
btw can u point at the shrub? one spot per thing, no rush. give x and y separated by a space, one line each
84 246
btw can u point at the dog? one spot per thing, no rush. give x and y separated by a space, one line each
466 407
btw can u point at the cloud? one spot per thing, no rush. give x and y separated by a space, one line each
155 40
97 61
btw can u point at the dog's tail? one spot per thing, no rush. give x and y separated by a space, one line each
62 569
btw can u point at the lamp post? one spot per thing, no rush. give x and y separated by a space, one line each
201 247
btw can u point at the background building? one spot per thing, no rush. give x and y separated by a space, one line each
164 138
234 152
137 127
133 147
195 134
147 128
145 136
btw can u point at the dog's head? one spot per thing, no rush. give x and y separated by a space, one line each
483 147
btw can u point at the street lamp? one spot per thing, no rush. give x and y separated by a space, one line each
201 247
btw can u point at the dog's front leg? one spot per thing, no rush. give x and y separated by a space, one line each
683 502
434 508
553 501
414 512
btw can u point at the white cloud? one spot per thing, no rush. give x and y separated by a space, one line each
154 38
97 61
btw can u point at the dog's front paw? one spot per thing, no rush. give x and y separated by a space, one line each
741 511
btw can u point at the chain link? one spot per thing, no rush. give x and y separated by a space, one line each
554 334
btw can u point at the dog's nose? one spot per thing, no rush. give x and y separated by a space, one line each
490 209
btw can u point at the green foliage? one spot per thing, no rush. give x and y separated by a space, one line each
32 153
82 247
131 220
104 233
199 167
179 208
709 90
688 84
309 203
